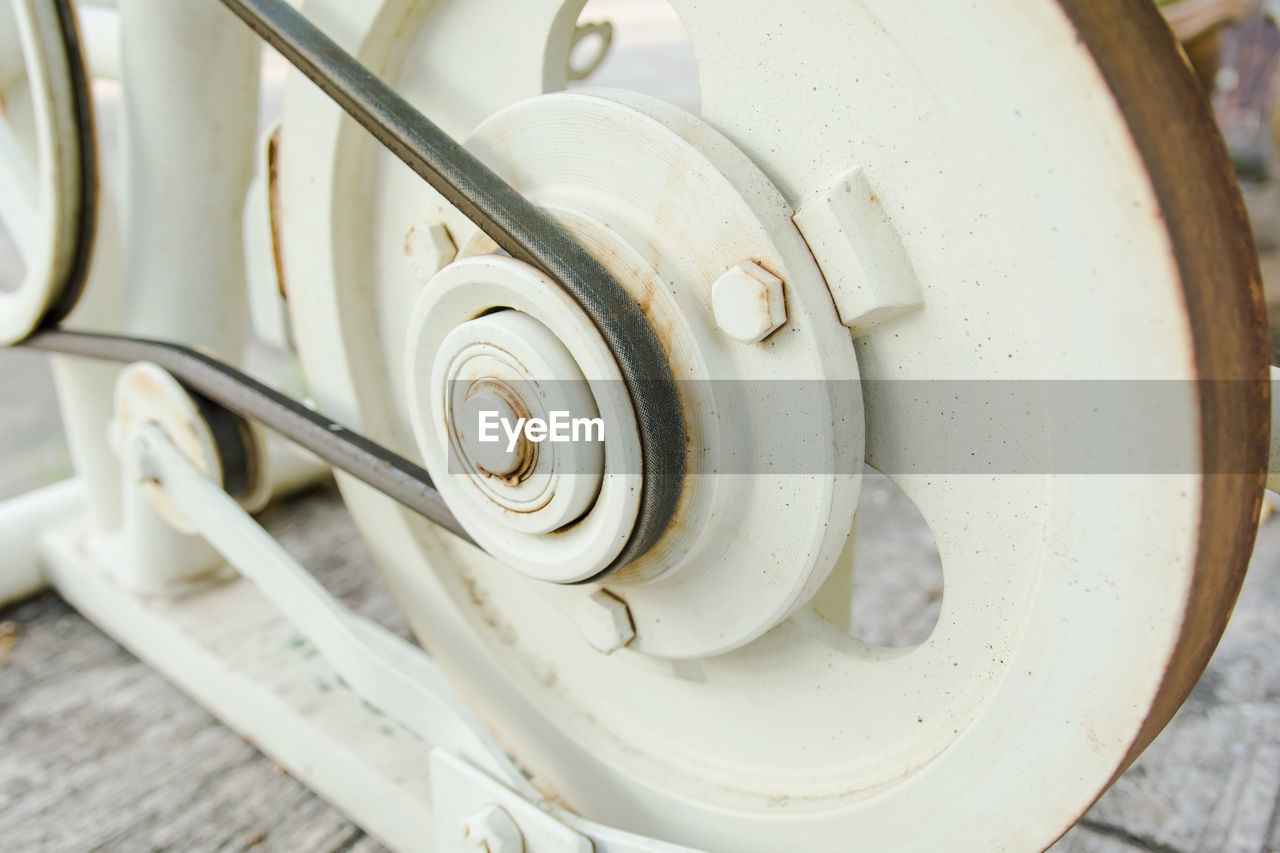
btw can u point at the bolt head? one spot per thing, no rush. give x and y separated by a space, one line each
428 247
491 830
605 621
749 303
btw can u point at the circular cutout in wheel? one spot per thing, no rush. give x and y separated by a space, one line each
1034 234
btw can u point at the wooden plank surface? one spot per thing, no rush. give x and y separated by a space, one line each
99 752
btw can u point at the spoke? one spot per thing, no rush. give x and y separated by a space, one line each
18 193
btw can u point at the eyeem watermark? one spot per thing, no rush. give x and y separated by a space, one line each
936 427
558 427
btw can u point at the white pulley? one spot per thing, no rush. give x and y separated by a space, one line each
987 189
222 447
538 354
685 265
505 370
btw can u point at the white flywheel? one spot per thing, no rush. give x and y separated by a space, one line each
917 191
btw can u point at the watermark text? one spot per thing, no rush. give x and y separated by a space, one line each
558 427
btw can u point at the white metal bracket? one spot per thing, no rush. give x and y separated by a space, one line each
465 799
857 246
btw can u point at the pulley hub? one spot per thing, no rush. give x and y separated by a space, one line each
497 356
491 337
511 411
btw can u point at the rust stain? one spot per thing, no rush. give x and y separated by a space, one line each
503 629
275 210
8 640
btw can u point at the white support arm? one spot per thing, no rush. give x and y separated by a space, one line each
470 769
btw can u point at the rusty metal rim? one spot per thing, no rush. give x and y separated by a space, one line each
1181 146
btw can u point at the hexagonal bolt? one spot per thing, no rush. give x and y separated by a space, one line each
491 830
749 302
429 248
605 621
